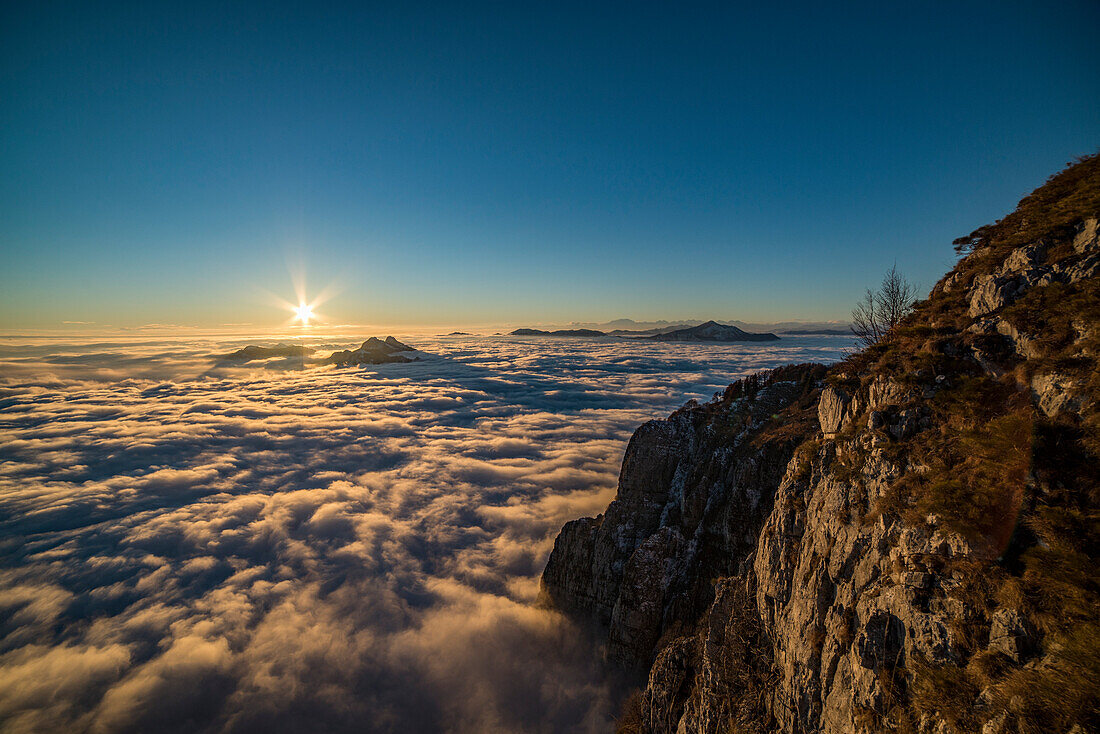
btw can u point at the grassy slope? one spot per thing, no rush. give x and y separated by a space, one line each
1022 487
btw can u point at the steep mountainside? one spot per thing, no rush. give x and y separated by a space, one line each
907 541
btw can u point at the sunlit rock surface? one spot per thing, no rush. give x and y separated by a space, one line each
902 544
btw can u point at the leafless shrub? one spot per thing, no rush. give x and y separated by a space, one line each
881 310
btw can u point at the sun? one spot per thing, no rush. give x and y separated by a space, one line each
304 312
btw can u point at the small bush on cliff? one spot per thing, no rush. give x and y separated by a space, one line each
882 310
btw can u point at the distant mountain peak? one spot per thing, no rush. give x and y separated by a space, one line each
374 351
712 331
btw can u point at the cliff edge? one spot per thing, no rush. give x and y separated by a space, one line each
905 541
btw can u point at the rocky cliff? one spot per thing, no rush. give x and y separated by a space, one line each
907 541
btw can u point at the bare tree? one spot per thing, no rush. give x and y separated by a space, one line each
882 310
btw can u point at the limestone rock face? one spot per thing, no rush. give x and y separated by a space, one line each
692 493
1088 237
1024 344
847 602
764 564
586 567
1010 634
636 619
885 392
664 704
1021 270
1055 392
834 410
568 575
1027 267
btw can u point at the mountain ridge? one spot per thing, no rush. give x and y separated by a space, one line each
712 331
709 331
373 351
904 541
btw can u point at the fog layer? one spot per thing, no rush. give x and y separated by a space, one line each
192 546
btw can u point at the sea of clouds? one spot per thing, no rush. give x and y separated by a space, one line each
192 546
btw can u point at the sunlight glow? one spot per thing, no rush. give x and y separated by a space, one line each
303 309
304 312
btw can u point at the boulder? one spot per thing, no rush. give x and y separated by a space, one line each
885 392
1010 634
1087 238
833 410
1055 392
1025 268
990 293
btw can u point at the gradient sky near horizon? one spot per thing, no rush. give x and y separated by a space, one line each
442 163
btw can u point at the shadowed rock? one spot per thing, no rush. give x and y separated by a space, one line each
251 353
374 351
900 548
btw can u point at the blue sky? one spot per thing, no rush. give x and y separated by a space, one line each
515 162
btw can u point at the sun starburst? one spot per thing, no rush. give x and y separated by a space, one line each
303 312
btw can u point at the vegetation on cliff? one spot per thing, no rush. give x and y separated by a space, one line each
910 542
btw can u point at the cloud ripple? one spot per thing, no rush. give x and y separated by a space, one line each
191 547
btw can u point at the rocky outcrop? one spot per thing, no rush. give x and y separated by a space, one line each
374 351
834 409
1055 392
902 543
693 491
1010 634
1021 270
1087 238
1028 267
